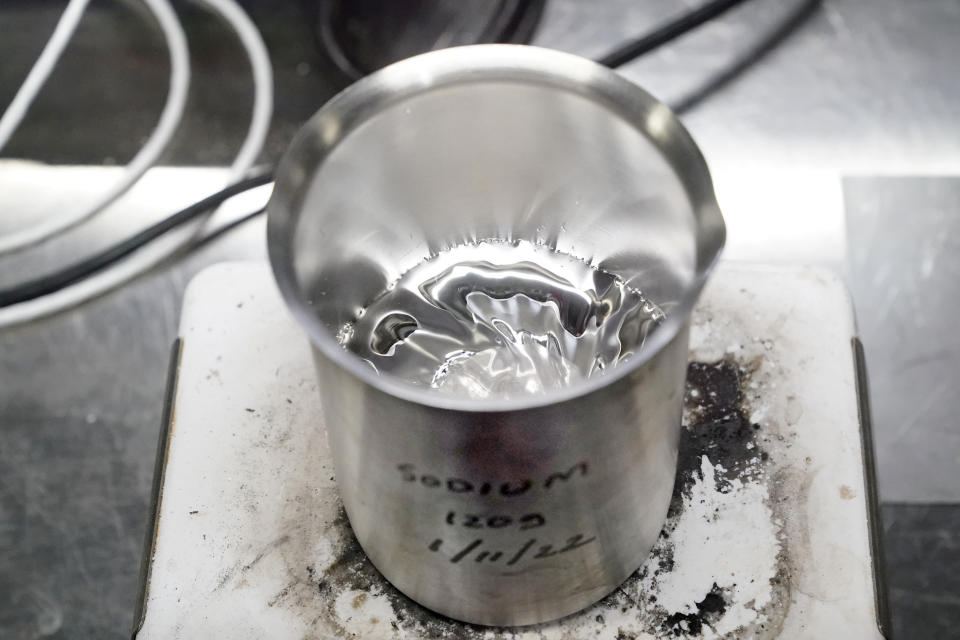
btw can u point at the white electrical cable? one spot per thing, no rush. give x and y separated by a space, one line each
262 72
41 69
151 255
148 154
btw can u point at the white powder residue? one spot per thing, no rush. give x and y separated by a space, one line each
700 332
324 554
723 538
367 614
549 633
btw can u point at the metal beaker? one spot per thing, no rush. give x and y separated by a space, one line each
497 511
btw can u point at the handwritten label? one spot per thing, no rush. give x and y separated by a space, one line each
532 549
474 521
409 473
500 551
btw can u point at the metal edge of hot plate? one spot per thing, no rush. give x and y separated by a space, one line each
874 521
159 471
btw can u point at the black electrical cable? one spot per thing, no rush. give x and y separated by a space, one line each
57 280
672 30
793 20
219 231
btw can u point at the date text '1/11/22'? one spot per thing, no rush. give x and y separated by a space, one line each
529 549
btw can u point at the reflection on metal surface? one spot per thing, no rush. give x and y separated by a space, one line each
904 263
864 83
783 215
489 142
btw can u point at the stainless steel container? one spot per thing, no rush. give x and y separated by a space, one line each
498 511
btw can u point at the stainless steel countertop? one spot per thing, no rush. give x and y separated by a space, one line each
863 94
